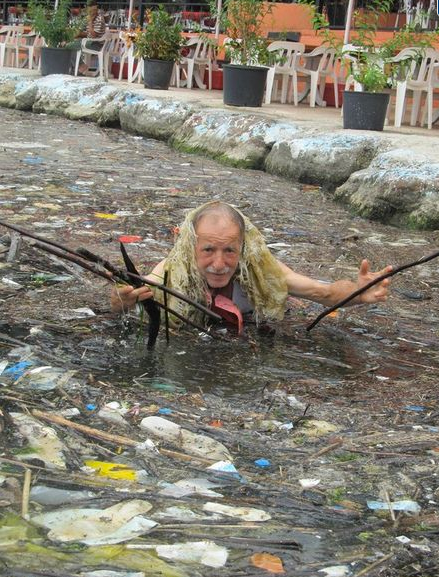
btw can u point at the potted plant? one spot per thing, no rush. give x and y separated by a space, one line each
245 76
372 67
159 45
53 25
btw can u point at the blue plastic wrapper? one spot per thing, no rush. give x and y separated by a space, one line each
263 463
17 370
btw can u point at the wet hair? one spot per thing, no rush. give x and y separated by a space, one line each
221 209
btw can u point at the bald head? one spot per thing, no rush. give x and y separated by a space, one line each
221 211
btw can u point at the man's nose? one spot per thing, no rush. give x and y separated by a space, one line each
219 262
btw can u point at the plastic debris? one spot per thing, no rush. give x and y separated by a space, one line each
185 487
129 238
165 411
80 313
186 441
407 505
115 524
244 513
43 441
205 552
263 463
112 470
309 483
336 571
225 467
269 562
415 408
44 378
53 496
17 370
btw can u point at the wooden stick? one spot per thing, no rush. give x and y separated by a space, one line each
375 564
26 493
91 432
116 439
74 257
368 286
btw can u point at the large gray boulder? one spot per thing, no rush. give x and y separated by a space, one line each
153 118
322 158
233 138
398 187
75 98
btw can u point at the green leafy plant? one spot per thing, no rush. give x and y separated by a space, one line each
242 21
370 64
53 24
162 38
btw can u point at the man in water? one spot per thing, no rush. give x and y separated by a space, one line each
221 260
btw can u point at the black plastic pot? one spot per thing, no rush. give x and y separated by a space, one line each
56 60
365 110
157 73
244 85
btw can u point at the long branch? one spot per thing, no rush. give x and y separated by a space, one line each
370 284
100 272
96 269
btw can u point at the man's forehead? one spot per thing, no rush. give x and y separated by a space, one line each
217 225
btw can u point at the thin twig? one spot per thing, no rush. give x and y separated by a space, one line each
165 302
26 493
366 287
373 565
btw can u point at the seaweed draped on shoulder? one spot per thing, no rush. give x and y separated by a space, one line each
258 274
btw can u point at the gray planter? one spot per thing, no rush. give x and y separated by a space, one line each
56 60
157 73
244 85
365 110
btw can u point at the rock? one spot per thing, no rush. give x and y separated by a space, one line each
398 187
153 118
232 138
7 94
325 159
25 94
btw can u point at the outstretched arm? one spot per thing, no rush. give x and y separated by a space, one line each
125 297
330 293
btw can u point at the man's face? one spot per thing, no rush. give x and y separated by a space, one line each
218 249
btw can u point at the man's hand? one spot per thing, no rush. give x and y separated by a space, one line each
377 293
125 297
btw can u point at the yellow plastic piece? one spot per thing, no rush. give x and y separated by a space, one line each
112 470
106 215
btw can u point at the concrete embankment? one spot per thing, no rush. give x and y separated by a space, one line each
391 177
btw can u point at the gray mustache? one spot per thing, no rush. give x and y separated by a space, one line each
213 270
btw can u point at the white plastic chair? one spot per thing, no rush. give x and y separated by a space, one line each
127 56
283 70
422 76
9 40
194 64
317 66
101 55
29 48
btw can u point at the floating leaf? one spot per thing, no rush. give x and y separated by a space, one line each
268 562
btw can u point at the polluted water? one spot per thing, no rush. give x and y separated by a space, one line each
279 452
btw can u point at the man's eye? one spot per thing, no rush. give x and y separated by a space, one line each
207 249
